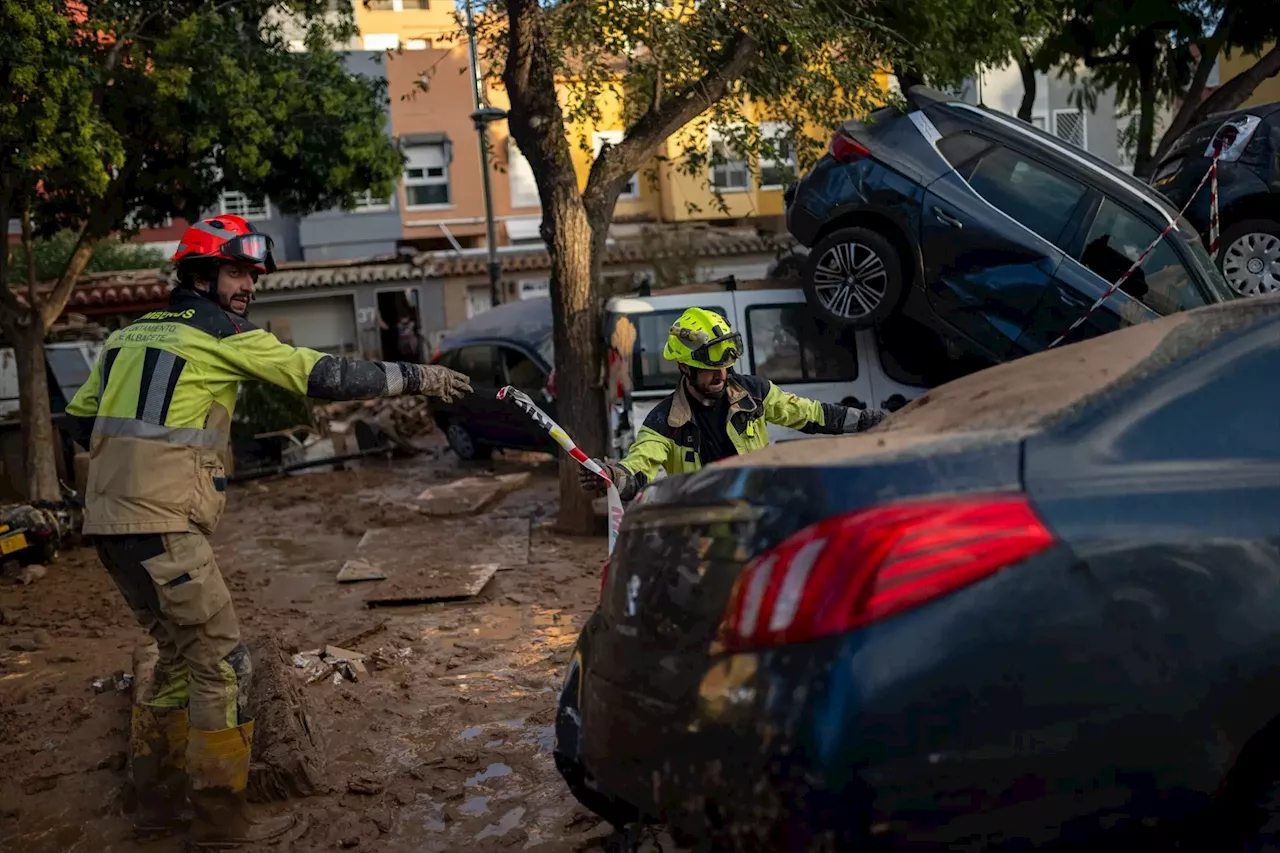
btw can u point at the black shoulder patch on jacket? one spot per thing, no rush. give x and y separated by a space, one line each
756 386
658 415
200 312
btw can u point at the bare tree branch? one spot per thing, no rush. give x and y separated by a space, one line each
617 163
29 246
1192 99
1231 94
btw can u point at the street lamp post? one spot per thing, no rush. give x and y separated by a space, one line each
482 117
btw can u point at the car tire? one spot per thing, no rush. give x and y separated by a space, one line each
463 443
1249 256
853 278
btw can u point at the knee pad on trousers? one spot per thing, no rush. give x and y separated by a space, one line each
242 664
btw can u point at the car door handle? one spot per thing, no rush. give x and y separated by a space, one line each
946 218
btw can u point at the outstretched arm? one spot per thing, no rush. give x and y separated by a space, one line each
815 418
261 355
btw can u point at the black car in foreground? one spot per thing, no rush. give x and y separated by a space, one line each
1248 191
994 234
1040 604
507 345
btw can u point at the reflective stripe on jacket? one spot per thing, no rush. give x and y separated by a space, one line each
160 400
670 438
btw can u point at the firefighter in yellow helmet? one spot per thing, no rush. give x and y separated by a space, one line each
713 413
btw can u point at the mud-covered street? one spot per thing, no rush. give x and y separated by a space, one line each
445 742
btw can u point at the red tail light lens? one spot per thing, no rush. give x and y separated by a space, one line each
853 569
435 355
846 149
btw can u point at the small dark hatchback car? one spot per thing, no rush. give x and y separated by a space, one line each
993 233
1248 191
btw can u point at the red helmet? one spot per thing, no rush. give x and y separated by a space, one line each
228 238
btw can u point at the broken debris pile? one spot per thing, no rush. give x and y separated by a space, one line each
400 419
339 664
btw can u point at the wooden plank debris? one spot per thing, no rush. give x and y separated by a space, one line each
429 586
470 495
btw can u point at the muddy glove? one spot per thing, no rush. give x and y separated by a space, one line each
860 420
436 380
622 479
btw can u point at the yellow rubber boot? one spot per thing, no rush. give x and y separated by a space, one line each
158 749
218 769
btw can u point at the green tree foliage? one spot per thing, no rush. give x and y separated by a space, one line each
1158 54
131 111
682 66
52 254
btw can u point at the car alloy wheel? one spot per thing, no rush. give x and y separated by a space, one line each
850 280
1251 264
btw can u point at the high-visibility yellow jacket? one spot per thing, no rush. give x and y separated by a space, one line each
159 403
670 437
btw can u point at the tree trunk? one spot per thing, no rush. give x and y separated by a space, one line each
579 401
1028 84
1143 164
1237 90
37 415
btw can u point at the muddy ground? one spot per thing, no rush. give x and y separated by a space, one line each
446 749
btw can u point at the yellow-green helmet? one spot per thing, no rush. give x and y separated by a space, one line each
702 338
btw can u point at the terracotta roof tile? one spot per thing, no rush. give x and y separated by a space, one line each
134 287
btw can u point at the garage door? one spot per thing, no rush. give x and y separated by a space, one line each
327 324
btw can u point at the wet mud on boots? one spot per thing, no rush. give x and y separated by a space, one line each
218 770
157 761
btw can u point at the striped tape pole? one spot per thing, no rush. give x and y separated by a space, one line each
1212 171
539 417
1213 209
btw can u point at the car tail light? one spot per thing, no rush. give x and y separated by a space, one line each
848 571
435 355
845 149
1233 136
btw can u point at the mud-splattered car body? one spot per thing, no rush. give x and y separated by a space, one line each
1077 639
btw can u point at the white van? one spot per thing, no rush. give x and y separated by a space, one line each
70 363
883 368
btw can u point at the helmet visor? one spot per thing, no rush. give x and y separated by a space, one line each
720 352
254 248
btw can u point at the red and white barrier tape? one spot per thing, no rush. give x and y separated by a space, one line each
1211 174
562 438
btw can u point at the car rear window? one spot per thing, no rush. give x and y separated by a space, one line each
1029 192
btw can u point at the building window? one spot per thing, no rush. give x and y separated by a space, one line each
367 201
479 300
415 4
426 176
778 168
380 5
381 41
729 172
238 204
613 137
524 190
535 288
417 44
1126 142
1069 125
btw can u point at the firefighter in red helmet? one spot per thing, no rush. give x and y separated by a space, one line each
155 414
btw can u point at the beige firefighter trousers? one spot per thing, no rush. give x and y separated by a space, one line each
175 590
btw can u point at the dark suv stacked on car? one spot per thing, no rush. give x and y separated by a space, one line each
992 233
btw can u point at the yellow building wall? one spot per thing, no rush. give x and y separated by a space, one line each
1268 90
